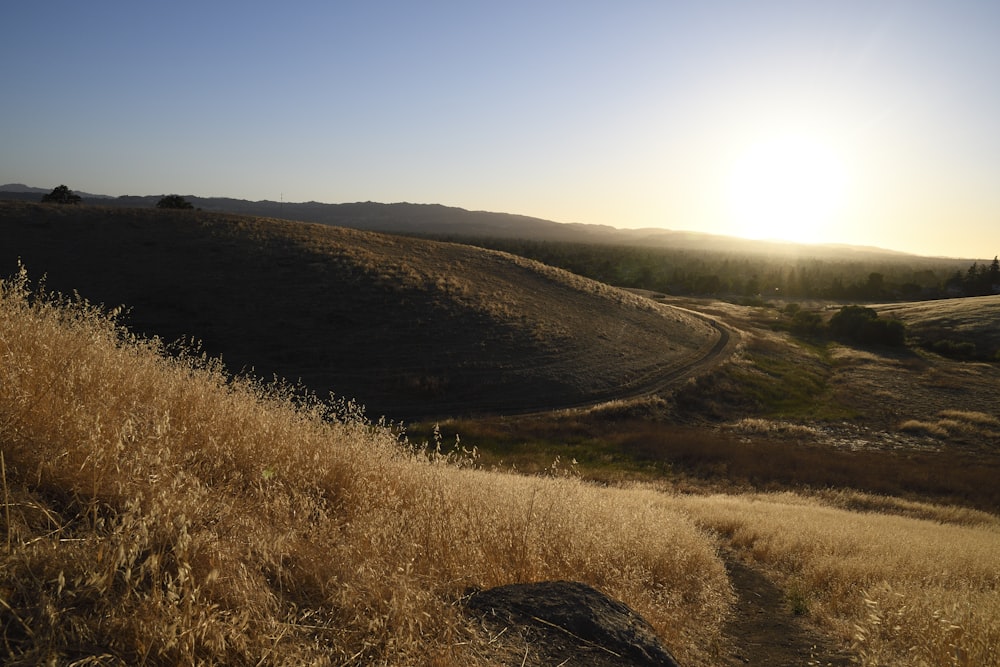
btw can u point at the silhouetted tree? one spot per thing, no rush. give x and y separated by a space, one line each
954 284
173 201
978 280
61 195
837 289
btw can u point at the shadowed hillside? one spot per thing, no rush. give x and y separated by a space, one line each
409 328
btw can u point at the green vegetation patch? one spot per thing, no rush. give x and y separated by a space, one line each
550 444
779 379
787 388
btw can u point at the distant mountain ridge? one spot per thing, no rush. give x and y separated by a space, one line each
437 220
21 188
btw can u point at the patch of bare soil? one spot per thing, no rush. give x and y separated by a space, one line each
765 630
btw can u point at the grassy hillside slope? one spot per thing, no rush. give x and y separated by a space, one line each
972 321
407 327
157 512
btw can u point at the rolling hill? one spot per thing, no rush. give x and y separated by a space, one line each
972 321
410 328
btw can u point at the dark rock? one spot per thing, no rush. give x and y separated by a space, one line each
570 621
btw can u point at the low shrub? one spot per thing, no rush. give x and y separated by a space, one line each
863 325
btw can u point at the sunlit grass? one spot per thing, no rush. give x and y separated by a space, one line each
159 511
949 422
901 590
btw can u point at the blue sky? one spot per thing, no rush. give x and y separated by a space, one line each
632 114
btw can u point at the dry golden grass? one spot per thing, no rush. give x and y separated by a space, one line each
756 426
955 422
902 590
971 418
157 511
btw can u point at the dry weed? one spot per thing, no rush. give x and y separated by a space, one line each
954 422
756 426
918 427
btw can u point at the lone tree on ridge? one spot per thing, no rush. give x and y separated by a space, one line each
173 201
61 195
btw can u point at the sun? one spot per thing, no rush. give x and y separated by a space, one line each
789 187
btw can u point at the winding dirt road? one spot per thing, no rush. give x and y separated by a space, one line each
658 378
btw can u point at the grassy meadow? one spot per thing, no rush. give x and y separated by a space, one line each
160 511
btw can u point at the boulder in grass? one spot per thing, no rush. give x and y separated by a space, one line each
567 620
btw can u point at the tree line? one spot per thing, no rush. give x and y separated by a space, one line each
978 280
687 272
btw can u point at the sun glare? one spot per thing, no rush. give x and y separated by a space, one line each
789 188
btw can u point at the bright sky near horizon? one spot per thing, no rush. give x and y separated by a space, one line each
870 122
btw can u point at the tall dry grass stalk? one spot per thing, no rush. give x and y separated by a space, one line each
903 590
158 511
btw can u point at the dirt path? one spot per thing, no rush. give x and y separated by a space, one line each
724 347
765 631
661 380
658 380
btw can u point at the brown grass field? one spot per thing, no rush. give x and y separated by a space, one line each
158 510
